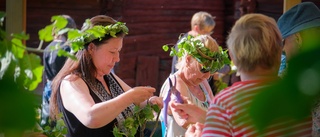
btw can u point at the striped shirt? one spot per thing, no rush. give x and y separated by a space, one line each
228 115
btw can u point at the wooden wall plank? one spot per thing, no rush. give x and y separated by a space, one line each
147 71
15 16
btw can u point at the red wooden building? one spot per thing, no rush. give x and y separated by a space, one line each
152 23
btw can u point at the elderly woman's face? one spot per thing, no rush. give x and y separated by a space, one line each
106 55
194 75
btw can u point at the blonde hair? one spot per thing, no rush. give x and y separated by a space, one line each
255 40
203 20
208 42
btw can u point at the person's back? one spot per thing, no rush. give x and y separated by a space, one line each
255 47
234 119
52 64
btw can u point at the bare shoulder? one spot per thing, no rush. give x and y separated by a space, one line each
73 83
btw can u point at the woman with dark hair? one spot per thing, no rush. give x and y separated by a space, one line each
93 100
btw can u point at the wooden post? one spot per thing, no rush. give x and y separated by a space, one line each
287 4
15 16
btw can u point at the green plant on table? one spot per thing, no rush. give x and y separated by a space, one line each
138 120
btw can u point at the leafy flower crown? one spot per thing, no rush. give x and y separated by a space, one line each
98 32
211 60
77 39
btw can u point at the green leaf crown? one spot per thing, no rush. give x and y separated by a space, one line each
211 60
98 32
77 39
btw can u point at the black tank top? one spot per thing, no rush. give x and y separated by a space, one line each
77 129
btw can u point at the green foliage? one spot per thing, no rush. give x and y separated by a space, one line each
78 38
139 119
290 98
190 45
220 85
59 130
17 106
20 73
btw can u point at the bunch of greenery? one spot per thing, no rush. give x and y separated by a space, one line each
20 73
55 128
138 120
210 60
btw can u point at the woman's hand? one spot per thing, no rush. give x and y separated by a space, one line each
188 111
140 94
155 100
194 130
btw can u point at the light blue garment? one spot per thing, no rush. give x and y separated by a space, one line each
283 64
45 111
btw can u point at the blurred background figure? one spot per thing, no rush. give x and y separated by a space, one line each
52 64
300 29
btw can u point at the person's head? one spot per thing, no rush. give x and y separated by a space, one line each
300 28
101 54
202 22
190 65
70 24
98 56
255 42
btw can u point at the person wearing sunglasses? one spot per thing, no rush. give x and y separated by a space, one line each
254 45
199 58
300 30
202 23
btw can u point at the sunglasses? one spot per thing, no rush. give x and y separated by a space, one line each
206 70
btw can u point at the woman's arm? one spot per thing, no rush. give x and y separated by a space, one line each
153 100
181 121
77 99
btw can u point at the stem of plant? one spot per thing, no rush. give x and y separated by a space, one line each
155 127
142 129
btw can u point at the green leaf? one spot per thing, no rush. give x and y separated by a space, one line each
165 48
116 132
59 22
73 34
17 48
129 122
46 33
21 36
156 108
293 97
62 52
32 68
20 113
